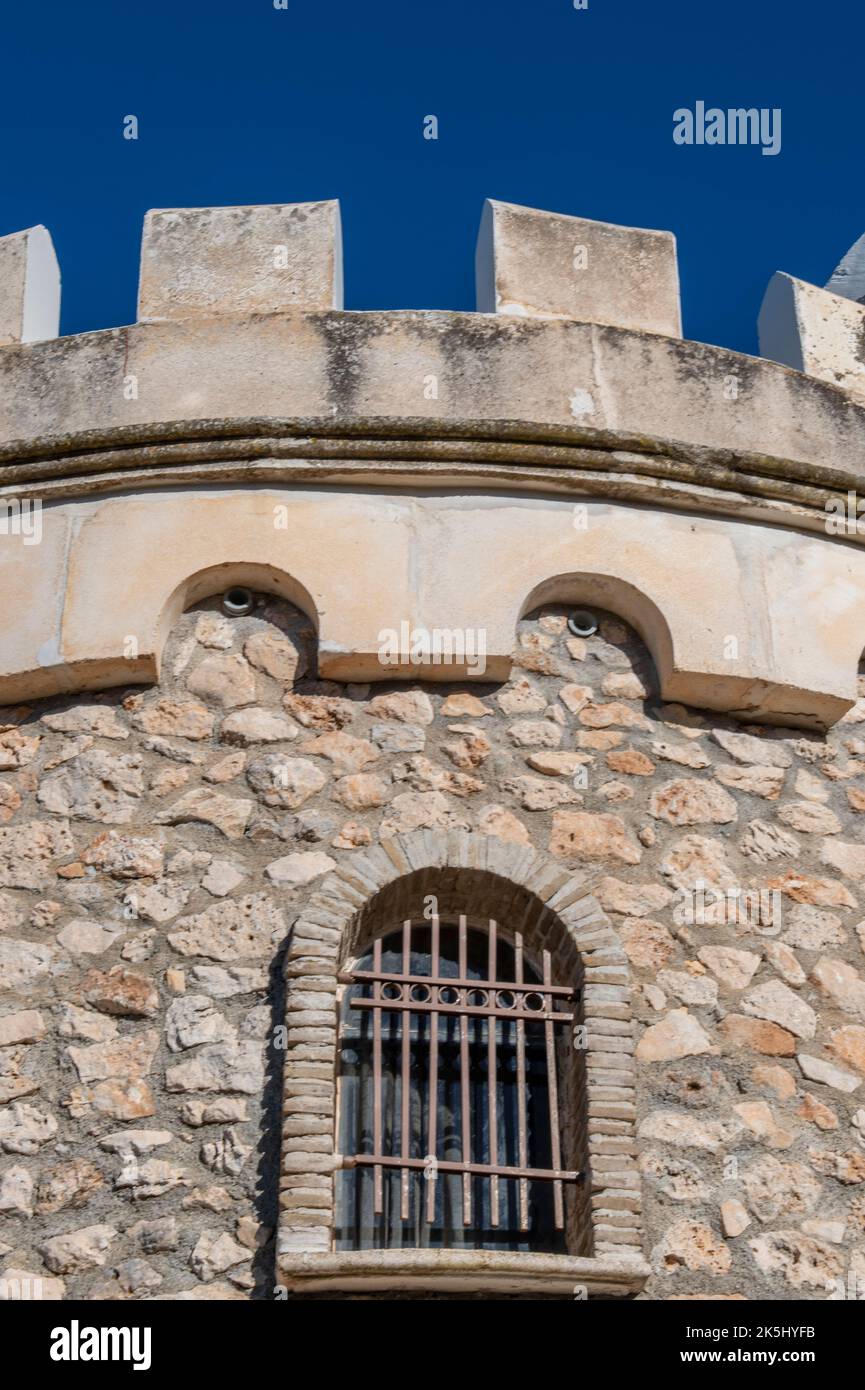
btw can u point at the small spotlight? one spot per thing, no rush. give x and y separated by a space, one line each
583 623
237 601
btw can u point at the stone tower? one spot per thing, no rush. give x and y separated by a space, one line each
328 639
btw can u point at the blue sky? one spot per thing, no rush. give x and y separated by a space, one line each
537 103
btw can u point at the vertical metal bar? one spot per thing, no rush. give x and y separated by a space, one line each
464 1077
522 1133
432 1140
405 1073
378 1195
492 1080
553 1093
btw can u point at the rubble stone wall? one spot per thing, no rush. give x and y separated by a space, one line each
157 846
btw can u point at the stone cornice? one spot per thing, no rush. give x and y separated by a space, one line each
426 452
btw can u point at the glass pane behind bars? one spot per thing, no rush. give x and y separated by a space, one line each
358 1228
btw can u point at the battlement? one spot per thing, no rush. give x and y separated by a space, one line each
570 393
201 263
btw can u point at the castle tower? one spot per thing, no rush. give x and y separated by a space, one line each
431 849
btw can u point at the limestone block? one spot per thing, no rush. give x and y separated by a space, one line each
814 331
29 287
547 265
201 262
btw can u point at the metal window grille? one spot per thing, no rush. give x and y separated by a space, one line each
519 1001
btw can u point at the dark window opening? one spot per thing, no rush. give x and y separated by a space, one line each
488 1057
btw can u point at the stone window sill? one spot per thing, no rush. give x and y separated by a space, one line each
461 1272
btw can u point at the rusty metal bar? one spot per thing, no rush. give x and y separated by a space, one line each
452 1166
463 1010
356 977
377 1178
553 1093
405 1083
465 1079
522 1131
492 1081
433 1082
429 990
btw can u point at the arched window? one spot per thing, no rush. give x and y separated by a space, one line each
452 1059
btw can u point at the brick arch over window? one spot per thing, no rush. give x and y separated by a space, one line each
482 877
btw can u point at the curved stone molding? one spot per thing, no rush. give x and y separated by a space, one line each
757 620
644 393
478 874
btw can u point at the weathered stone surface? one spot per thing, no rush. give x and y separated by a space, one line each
759 1118
775 1002
193 1020
689 801
229 814
816 1069
848 859
694 1245
286 782
224 680
499 821
408 706
250 928
765 843
253 725
96 786
22 963
82 937
175 719
421 811
777 1190
769 1039
752 781
361 791
841 984
77 1251
817 892
24 1129
648 944
848 1043
803 1261
686 1131
125 1059
204 262
215 1252
295 869
583 835
631 899
809 818
735 969
756 751
120 992
734 1218
276 655
126 856
677 1035
26 850
229 1066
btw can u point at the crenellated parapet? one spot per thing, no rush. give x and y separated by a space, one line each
432 468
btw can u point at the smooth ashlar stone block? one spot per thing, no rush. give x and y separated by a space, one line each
815 332
548 265
29 287
205 262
